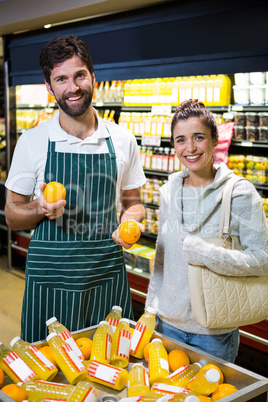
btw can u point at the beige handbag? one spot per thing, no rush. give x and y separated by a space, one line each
220 301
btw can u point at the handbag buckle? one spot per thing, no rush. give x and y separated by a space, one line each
227 240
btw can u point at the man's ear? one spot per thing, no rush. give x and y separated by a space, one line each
93 80
49 90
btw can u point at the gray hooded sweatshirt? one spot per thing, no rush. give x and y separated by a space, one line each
188 214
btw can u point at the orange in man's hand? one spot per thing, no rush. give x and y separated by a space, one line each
2 377
176 359
15 392
47 352
54 192
85 345
129 232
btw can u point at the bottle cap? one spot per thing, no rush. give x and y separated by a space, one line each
191 398
51 336
14 340
117 308
52 319
137 364
124 320
212 376
151 310
104 322
198 364
156 340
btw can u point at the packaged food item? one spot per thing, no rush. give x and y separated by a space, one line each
180 397
121 344
252 119
102 342
241 95
257 78
158 362
239 133
143 398
55 326
106 374
34 358
183 375
83 392
164 389
13 365
263 119
263 133
205 382
252 133
138 381
113 318
143 332
241 78
240 119
38 390
71 366
257 94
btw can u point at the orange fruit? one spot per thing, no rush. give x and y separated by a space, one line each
129 231
222 391
54 192
146 351
47 352
15 392
203 398
85 345
176 359
213 366
2 377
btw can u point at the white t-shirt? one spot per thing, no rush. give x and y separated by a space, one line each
29 159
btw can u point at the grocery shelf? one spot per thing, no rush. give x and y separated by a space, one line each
250 144
156 172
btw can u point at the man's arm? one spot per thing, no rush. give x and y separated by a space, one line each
22 213
132 209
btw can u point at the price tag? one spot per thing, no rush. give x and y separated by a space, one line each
151 140
228 115
246 144
99 103
237 108
162 110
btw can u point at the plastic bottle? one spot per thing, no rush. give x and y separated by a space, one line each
55 326
38 390
13 365
106 374
142 333
113 318
158 361
121 344
183 375
34 358
159 388
205 382
143 398
66 359
138 381
180 397
83 392
102 342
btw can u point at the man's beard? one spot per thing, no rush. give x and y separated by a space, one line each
75 110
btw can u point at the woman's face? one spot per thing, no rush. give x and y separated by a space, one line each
194 145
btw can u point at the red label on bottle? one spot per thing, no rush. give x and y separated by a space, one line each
18 367
137 337
72 357
108 347
123 345
178 371
42 358
103 372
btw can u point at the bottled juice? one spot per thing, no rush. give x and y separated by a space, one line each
138 381
106 374
113 318
180 397
143 398
183 375
54 326
102 342
205 382
83 392
121 344
34 358
38 390
159 388
142 333
66 359
13 365
158 361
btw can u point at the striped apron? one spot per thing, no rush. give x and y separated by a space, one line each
74 269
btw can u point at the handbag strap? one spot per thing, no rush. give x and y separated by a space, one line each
226 207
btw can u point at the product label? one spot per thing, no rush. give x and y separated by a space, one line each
113 322
39 355
75 361
58 384
90 396
103 372
137 337
146 378
108 347
66 336
123 346
164 364
18 367
177 372
169 389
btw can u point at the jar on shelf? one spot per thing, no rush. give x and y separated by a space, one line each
252 119
263 119
239 133
252 133
263 133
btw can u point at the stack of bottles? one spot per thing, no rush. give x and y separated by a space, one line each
160 159
108 91
146 123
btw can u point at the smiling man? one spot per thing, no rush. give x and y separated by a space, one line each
75 268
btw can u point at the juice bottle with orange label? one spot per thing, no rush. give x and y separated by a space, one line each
121 344
34 358
138 381
105 374
55 326
158 361
113 318
83 392
102 342
71 366
142 333
13 365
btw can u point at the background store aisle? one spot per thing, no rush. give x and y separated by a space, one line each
11 294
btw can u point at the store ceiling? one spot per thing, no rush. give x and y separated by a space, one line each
24 15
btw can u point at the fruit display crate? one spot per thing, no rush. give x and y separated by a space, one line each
251 386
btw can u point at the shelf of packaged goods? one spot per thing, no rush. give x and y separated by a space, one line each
164 140
107 104
36 106
250 144
148 108
156 172
249 108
